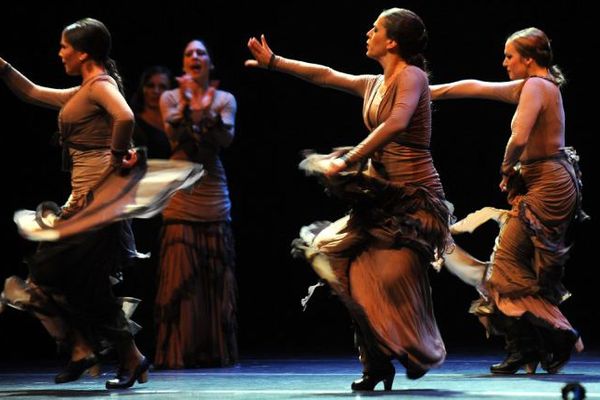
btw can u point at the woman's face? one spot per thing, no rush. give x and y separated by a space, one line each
515 64
153 88
71 58
377 40
196 61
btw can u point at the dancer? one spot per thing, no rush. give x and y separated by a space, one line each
522 286
195 305
69 284
376 258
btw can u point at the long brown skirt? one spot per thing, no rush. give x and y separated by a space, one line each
524 277
195 305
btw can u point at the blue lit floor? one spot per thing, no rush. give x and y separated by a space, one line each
461 377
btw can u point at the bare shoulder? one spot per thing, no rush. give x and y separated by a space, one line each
538 84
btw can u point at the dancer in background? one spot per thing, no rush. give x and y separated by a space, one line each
376 259
196 300
149 126
149 132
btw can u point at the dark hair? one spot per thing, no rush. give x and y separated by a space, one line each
408 30
208 51
137 99
91 36
533 43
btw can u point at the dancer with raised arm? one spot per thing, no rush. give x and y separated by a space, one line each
522 287
376 259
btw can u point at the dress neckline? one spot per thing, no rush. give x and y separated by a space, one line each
381 93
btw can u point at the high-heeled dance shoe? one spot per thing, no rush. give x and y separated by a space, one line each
126 379
75 369
415 373
369 380
515 361
562 353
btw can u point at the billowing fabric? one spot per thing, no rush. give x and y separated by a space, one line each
523 278
380 255
532 250
381 252
81 254
527 266
85 243
141 192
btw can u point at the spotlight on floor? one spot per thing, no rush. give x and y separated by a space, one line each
573 391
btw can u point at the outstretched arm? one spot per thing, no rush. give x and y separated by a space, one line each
32 93
317 74
508 92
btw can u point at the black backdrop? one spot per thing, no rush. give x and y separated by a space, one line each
278 116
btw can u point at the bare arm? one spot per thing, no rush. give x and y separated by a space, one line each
508 92
29 92
530 106
314 73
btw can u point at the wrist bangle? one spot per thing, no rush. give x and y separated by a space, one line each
271 64
119 153
345 158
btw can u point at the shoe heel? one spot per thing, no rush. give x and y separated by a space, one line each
94 371
387 383
143 378
530 367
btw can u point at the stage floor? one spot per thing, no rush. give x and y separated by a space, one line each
461 377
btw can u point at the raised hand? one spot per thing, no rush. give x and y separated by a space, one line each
186 87
504 183
262 53
207 98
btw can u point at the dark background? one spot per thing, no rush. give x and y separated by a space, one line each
278 116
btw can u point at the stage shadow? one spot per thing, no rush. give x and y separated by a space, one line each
445 394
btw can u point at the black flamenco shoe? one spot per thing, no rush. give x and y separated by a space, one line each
415 373
514 361
126 379
75 369
369 380
562 354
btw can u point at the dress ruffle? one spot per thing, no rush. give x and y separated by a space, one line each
141 192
